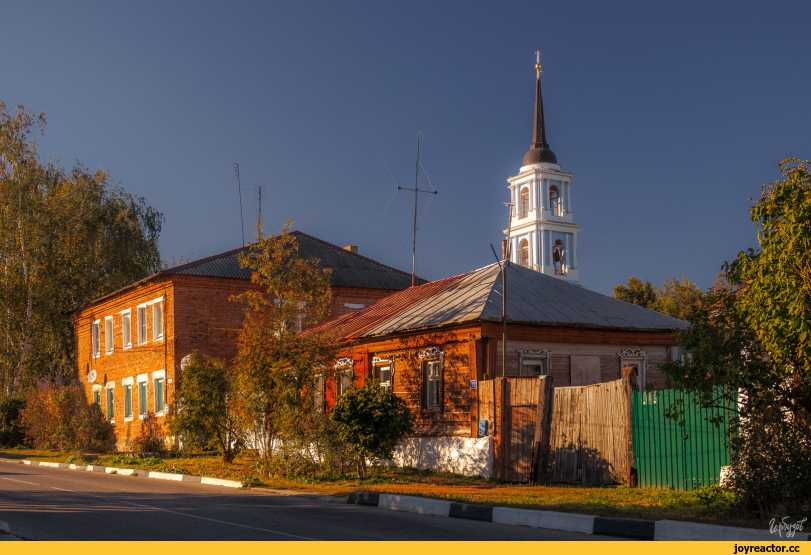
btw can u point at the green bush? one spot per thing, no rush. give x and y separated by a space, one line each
11 434
372 420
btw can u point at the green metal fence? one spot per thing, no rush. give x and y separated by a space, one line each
667 454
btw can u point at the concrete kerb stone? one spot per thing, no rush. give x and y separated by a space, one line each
674 530
631 528
471 512
419 505
137 472
517 517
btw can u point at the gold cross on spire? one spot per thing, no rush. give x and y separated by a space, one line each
538 65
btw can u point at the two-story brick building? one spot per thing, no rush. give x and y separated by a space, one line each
129 344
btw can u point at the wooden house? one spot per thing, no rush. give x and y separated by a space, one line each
434 344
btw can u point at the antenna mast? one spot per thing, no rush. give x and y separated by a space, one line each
241 222
416 191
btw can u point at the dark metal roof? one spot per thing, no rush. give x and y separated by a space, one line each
532 298
539 151
348 269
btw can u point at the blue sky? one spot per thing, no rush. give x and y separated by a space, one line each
670 115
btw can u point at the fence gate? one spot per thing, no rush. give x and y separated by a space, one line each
667 454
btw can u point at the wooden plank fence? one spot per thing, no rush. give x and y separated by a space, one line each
590 434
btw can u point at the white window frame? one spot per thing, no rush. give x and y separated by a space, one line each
97 389
378 363
124 383
126 338
320 396
534 354
109 337
141 323
638 356
95 339
143 378
157 331
109 386
158 375
344 367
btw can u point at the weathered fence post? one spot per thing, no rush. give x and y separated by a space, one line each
543 424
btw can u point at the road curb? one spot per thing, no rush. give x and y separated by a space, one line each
629 528
136 472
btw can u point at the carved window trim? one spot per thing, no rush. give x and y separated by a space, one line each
343 367
384 361
428 355
635 354
535 353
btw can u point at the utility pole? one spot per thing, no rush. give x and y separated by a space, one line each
504 295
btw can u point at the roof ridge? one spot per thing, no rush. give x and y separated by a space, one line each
354 254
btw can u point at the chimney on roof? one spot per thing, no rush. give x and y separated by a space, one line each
351 248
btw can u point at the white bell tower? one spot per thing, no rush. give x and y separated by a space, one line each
543 235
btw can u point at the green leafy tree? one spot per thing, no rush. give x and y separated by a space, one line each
636 292
372 420
206 407
678 299
747 351
278 368
11 433
66 237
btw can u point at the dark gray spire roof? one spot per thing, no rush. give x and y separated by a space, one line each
539 151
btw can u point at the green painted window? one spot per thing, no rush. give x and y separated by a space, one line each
110 412
142 406
97 397
128 401
158 394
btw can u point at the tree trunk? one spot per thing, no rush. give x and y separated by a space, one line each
362 468
26 339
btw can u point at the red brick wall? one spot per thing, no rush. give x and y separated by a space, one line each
147 358
342 296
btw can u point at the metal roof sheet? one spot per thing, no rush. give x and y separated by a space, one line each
532 298
348 269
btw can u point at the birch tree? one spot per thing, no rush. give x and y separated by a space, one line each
66 237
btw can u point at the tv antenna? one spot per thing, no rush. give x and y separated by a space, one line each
241 222
416 190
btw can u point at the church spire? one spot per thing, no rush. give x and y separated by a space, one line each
539 152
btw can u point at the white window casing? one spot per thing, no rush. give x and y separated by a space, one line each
635 357
126 329
433 362
95 347
534 362
157 321
141 323
384 371
344 373
108 335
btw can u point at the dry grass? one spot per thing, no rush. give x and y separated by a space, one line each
712 506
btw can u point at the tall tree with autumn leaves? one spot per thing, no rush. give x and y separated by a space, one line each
66 237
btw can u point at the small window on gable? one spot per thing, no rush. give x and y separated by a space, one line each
95 339
524 202
558 257
157 321
108 335
126 330
554 200
524 252
344 369
141 323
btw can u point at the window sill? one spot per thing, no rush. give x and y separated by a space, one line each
161 413
141 416
128 419
111 421
109 352
126 347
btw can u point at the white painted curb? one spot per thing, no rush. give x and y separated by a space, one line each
165 476
419 505
221 482
517 517
674 530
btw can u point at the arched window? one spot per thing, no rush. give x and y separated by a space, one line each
524 252
558 256
524 202
554 200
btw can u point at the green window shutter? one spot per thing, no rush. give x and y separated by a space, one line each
158 394
142 406
128 401
97 397
110 412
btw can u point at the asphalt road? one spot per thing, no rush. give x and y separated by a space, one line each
60 504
